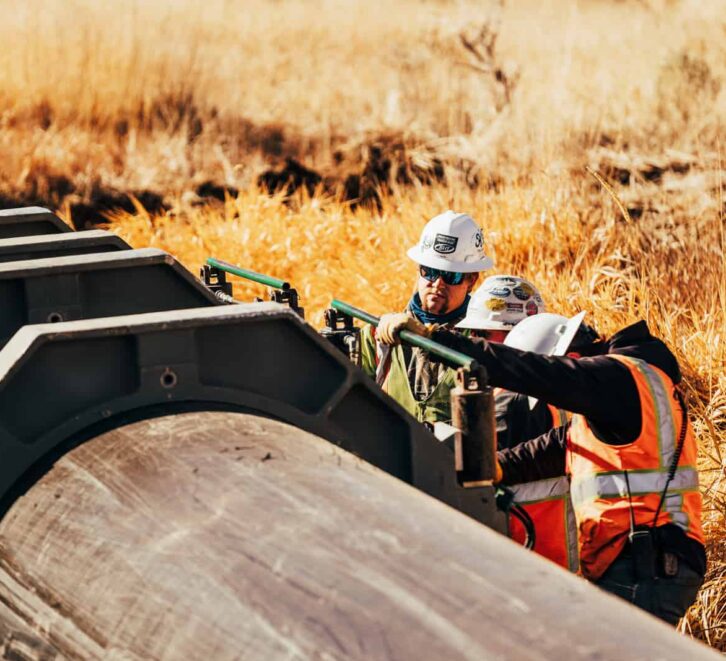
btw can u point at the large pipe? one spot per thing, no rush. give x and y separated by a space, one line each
227 536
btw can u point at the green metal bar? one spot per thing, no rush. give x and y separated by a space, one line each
456 357
262 279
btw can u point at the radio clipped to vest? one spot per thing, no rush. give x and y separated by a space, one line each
650 560
642 544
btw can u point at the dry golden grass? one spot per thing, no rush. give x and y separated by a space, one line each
565 235
164 95
161 96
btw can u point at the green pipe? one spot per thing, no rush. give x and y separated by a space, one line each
456 357
267 280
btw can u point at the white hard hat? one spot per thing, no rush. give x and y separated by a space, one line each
451 241
546 333
501 303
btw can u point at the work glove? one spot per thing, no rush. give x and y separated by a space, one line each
390 325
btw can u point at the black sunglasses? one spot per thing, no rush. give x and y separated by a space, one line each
449 277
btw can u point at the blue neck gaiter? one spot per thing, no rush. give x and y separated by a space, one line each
441 319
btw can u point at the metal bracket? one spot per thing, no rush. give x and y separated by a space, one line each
215 280
475 441
288 297
213 274
342 334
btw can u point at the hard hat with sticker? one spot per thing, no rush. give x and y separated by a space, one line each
445 244
495 306
501 292
452 241
523 292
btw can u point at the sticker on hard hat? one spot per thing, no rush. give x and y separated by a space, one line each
426 242
523 292
495 304
445 244
515 307
531 308
478 240
501 292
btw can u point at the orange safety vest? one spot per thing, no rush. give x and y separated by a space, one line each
549 506
599 492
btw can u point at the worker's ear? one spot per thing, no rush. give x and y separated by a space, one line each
472 279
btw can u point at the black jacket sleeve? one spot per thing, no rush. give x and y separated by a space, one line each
600 387
516 421
537 459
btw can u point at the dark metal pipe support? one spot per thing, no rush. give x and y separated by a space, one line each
475 443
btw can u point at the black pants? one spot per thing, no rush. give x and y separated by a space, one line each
666 598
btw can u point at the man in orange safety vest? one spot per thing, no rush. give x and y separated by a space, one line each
629 452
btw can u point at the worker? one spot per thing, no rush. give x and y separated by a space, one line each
629 451
450 255
508 309
546 501
495 309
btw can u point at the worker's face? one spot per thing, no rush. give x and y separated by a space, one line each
443 291
496 336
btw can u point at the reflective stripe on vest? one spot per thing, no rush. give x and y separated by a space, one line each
549 505
555 527
613 485
383 362
598 486
527 492
667 433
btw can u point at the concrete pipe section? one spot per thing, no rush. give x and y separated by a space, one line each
231 536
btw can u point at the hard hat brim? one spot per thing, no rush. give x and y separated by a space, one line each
434 262
571 328
563 344
477 323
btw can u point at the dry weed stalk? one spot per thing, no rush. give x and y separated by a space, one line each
482 46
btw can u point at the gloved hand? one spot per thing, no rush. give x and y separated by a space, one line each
390 325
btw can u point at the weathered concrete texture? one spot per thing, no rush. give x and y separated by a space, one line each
228 536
